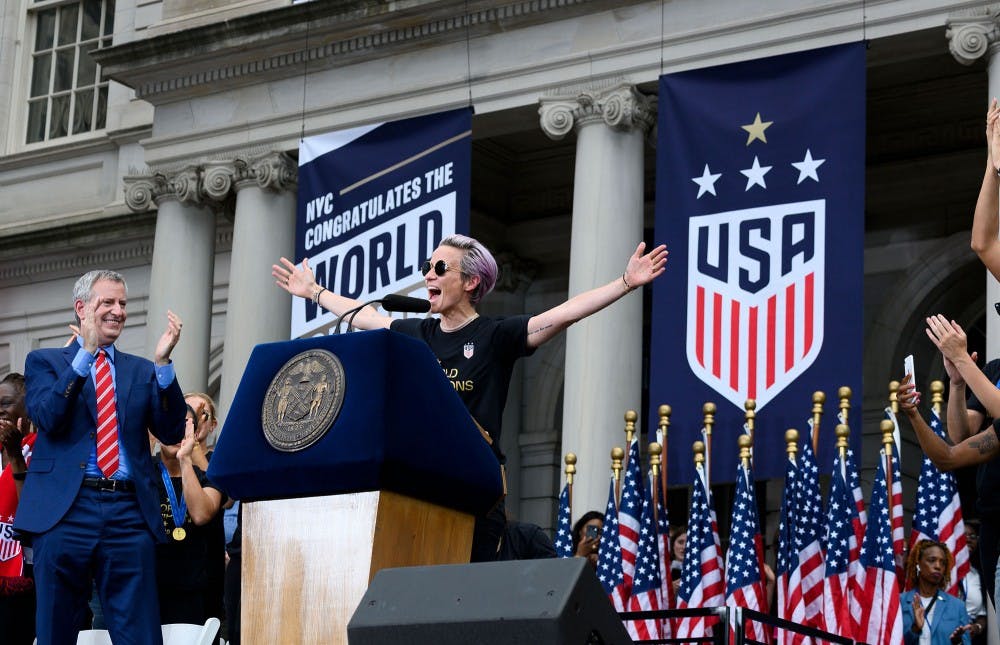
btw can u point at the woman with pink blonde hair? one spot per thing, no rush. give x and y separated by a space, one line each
477 353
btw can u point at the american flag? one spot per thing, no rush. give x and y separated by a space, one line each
805 580
881 618
841 544
629 510
855 570
786 542
663 550
938 513
702 582
898 539
609 555
645 594
564 537
745 586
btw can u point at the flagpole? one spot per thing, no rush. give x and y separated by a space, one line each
842 432
654 466
844 394
819 398
570 460
661 433
709 411
630 417
886 427
617 456
750 416
937 396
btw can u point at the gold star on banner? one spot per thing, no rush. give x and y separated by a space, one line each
756 129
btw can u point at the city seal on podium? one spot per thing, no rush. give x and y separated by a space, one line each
303 400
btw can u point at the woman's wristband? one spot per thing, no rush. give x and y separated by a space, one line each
628 287
317 294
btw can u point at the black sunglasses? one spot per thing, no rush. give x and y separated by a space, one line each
440 268
996 305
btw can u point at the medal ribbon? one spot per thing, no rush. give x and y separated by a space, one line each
178 507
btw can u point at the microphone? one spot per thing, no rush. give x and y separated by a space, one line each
405 304
391 302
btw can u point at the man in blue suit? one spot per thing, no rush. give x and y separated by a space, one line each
89 504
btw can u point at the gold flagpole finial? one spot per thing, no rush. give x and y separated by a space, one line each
751 413
842 432
745 443
663 430
630 419
617 456
709 411
792 442
893 398
570 460
886 427
699 452
665 411
844 394
655 450
937 396
819 398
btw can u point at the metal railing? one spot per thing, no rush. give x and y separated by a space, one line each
729 626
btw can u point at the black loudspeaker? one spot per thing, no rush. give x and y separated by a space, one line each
554 601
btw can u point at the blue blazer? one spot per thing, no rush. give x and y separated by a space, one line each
949 614
63 406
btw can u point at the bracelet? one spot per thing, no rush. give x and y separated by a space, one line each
317 294
628 287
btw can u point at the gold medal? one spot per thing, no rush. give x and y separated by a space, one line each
179 534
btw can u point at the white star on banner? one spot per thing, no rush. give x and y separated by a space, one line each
706 183
807 167
755 174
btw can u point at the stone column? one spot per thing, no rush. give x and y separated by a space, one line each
264 231
182 269
604 351
970 37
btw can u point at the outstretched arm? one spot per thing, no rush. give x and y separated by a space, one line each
640 270
302 283
985 226
977 449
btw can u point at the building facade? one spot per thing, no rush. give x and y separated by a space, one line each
159 138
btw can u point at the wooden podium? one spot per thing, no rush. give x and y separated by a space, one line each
396 481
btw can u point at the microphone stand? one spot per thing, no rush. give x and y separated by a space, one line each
352 313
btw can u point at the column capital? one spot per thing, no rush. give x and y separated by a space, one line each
620 106
273 171
143 190
971 34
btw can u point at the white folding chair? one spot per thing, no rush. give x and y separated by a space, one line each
94 637
189 634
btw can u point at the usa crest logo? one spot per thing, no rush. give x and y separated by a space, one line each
469 349
9 547
755 298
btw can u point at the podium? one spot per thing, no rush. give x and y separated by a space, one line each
395 479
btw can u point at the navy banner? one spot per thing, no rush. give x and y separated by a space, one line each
374 202
760 199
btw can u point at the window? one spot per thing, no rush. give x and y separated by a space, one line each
66 95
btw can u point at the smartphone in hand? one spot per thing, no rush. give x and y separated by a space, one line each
908 368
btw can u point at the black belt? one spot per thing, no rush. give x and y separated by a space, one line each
117 485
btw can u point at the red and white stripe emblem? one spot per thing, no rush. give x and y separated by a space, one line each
755 298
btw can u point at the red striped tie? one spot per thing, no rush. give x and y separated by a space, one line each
107 418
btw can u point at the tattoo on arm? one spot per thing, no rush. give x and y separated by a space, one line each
542 328
986 443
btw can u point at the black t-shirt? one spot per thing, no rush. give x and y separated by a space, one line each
182 565
988 474
478 359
